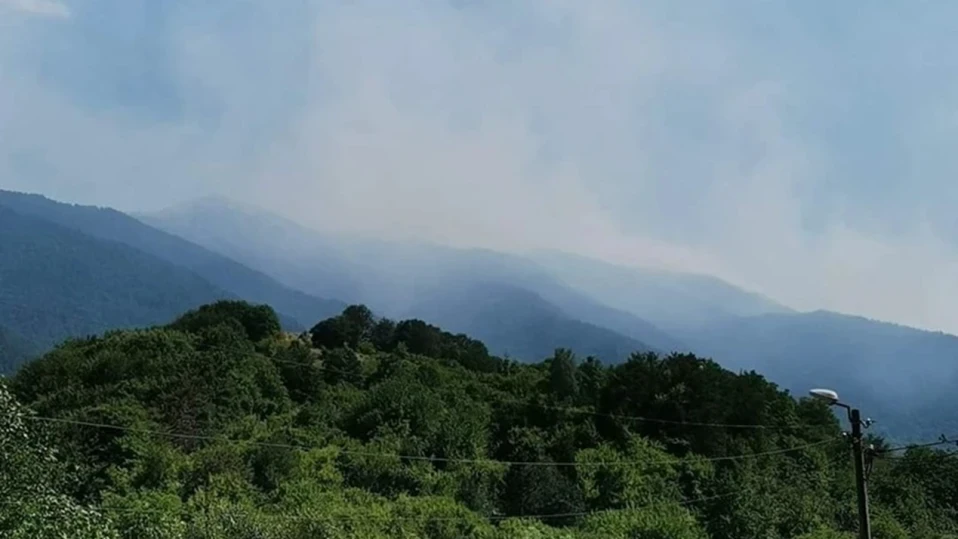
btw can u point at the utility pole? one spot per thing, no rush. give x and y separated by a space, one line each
858 452
864 523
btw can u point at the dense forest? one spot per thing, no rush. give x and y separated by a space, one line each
68 243
56 282
221 425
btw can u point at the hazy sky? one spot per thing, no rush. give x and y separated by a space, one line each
803 149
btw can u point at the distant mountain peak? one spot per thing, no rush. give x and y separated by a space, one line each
207 203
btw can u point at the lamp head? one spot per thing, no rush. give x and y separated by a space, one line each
826 395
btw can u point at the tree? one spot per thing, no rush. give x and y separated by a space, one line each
358 322
591 378
33 504
562 375
383 335
354 326
258 321
419 337
330 333
342 365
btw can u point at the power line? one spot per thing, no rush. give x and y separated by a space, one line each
427 519
413 458
943 440
677 422
620 417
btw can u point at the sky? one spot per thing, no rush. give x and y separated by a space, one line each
804 150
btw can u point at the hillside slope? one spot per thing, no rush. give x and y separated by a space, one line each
294 255
670 300
518 323
56 283
891 372
227 274
375 430
395 278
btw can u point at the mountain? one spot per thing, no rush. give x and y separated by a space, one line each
223 272
518 323
670 300
451 269
355 270
890 371
640 303
56 283
556 297
317 263
393 277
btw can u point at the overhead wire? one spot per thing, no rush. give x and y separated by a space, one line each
414 458
943 440
401 518
620 417
340 450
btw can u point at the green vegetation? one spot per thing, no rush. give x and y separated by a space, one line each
220 425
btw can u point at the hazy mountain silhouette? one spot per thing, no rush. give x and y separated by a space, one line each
671 300
516 322
398 280
57 283
223 272
889 371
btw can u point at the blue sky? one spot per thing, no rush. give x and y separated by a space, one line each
802 149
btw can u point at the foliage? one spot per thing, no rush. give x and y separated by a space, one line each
258 322
219 425
33 503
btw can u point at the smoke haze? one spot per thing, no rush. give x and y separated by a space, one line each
801 151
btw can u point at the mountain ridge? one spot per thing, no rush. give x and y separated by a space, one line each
227 274
517 322
390 277
56 283
670 300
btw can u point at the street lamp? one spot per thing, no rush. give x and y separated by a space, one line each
854 417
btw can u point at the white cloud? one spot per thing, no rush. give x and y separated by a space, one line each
45 8
552 125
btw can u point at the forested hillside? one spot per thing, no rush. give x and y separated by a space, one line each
220 425
226 274
903 377
56 282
